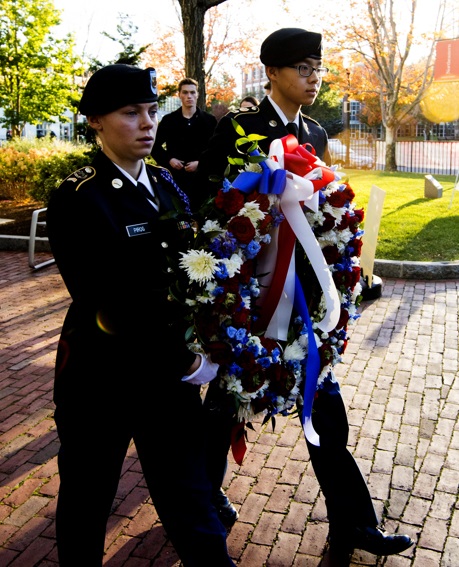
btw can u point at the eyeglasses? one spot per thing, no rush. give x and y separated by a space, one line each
307 70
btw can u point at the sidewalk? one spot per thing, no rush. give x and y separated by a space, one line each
400 382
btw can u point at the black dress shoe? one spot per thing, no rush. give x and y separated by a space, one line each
335 558
378 542
225 510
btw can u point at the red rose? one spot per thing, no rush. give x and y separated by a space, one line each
220 353
246 272
247 361
347 279
268 344
261 199
207 323
337 199
343 319
359 214
241 317
242 229
345 221
354 224
331 254
357 246
349 193
355 276
252 383
265 226
326 354
328 224
280 379
231 202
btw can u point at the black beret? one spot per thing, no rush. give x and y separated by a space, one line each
290 45
115 86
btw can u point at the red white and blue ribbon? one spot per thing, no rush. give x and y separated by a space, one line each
295 174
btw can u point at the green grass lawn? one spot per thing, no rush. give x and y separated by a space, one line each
412 228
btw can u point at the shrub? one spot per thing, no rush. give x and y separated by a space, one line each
33 168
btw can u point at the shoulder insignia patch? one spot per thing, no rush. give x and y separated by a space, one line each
309 118
81 176
245 112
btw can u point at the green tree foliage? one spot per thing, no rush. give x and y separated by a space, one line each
36 68
130 53
327 110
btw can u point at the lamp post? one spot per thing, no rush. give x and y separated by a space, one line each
347 117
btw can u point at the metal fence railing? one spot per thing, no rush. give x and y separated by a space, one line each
430 157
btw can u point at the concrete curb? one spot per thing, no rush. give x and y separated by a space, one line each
21 243
382 268
416 270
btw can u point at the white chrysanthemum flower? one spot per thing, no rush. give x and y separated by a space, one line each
245 413
304 341
294 351
205 298
251 210
199 265
233 384
356 292
211 226
324 373
319 343
335 212
233 264
190 302
255 167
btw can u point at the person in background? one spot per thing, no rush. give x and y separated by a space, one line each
182 135
123 369
249 102
293 63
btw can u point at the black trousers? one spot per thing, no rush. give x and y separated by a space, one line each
345 490
95 433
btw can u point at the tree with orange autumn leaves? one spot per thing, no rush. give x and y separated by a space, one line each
221 45
375 69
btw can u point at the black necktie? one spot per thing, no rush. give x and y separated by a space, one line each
148 194
292 128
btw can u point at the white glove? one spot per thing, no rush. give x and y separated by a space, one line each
206 372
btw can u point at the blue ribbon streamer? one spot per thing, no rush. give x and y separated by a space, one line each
313 358
265 182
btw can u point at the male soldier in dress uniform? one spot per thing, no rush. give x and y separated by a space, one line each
123 369
293 63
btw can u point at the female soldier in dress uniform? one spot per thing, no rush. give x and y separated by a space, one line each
114 227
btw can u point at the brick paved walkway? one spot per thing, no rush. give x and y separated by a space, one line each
401 385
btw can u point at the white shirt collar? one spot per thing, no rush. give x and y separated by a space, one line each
143 176
281 114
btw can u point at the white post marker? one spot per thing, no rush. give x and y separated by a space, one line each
372 219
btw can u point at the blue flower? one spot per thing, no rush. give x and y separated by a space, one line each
221 272
224 245
252 249
264 362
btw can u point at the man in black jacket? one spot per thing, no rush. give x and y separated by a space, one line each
123 369
293 62
182 135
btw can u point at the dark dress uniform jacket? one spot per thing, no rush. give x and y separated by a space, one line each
262 120
184 139
112 251
120 360
348 501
